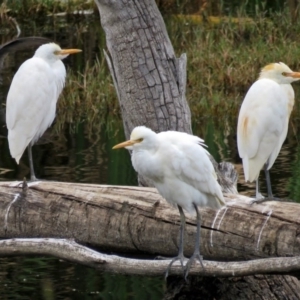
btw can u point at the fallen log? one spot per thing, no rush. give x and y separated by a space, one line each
138 220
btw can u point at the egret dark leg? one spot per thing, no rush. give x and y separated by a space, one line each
196 254
268 179
258 195
259 198
269 187
180 255
32 175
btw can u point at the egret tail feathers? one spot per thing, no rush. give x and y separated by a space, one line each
252 167
17 145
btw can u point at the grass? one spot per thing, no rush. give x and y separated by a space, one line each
89 97
224 59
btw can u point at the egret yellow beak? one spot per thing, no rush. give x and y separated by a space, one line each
125 144
69 51
292 74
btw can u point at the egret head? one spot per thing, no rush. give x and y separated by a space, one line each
280 73
141 137
53 52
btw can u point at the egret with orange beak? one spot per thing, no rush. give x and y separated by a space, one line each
263 121
181 171
32 97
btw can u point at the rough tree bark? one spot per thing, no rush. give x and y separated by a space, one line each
150 83
149 79
139 221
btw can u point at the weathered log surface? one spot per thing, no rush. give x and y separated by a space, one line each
139 220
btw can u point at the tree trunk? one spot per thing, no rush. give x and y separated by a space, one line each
294 10
149 79
150 83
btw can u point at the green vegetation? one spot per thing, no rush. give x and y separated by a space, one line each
225 58
223 61
89 95
225 55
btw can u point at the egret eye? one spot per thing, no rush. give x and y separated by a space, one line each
284 73
139 140
56 52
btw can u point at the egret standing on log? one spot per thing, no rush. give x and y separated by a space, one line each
182 173
263 121
32 97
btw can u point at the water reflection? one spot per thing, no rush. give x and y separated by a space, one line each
51 279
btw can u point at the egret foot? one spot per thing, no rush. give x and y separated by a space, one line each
261 200
179 257
259 196
195 256
33 178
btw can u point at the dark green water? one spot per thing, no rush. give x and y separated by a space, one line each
79 156
51 279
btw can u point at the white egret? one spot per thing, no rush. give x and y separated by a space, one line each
182 173
32 97
263 121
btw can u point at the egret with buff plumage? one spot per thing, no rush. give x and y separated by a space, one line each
263 121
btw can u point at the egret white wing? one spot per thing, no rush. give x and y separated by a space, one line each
260 119
190 163
28 104
261 125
